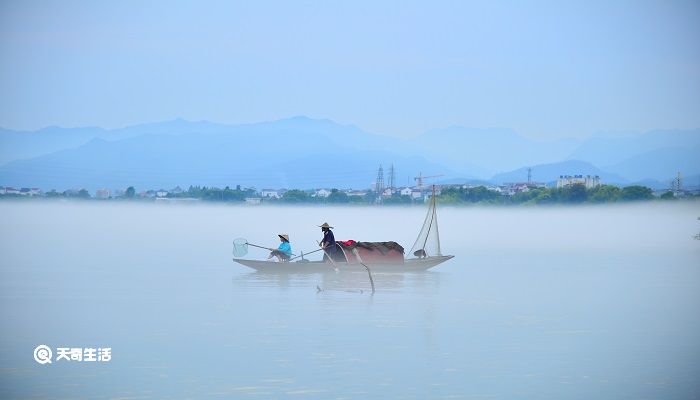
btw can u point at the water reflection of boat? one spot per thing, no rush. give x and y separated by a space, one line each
342 280
384 256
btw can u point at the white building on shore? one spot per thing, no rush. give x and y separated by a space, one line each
356 193
323 193
588 181
253 200
103 193
270 193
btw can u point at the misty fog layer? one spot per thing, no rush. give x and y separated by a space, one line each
561 302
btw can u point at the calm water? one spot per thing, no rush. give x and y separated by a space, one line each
575 303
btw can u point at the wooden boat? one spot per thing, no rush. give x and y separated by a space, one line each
425 251
409 265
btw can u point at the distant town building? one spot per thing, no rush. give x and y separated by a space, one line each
323 193
29 192
405 191
510 189
270 193
71 192
103 193
568 180
253 200
356 193
162 193
173 200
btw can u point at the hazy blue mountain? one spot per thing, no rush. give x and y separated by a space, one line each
16 145
688 182
661 164
550 172
608 151
22 145
351 169
483 152
297 152
691 182
290 153
652 184
460 181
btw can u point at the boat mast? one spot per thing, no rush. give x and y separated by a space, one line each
437 232
429 225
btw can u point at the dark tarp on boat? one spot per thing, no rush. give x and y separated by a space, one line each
372 252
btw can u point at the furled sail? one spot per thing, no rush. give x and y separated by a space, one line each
428 241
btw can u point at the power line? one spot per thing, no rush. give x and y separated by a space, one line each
392 178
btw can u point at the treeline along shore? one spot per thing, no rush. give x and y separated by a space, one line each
449 195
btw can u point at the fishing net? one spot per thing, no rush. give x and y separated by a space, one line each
240 247
428 240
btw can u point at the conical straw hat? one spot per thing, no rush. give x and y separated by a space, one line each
284 236
325 225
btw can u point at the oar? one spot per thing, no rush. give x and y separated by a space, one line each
335 267
305 254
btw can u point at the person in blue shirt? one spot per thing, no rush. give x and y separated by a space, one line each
284 251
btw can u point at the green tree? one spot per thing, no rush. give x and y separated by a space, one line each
575 193
450 196
130 192
635 193
668 196
528 196
535 195
371 197
479 194
604 194
83 194
337 196
545 196
295 196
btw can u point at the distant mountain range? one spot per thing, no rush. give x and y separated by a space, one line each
547 173
301 152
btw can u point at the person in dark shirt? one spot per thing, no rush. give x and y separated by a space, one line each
328 242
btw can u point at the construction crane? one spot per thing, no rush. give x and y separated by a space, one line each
420 177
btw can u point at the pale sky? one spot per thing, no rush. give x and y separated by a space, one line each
545 69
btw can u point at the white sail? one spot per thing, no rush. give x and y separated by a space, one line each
428 240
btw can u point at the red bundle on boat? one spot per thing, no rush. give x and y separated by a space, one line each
372 252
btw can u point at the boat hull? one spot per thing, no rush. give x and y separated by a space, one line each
413 264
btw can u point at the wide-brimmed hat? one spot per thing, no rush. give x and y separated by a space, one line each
325 225
284 236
